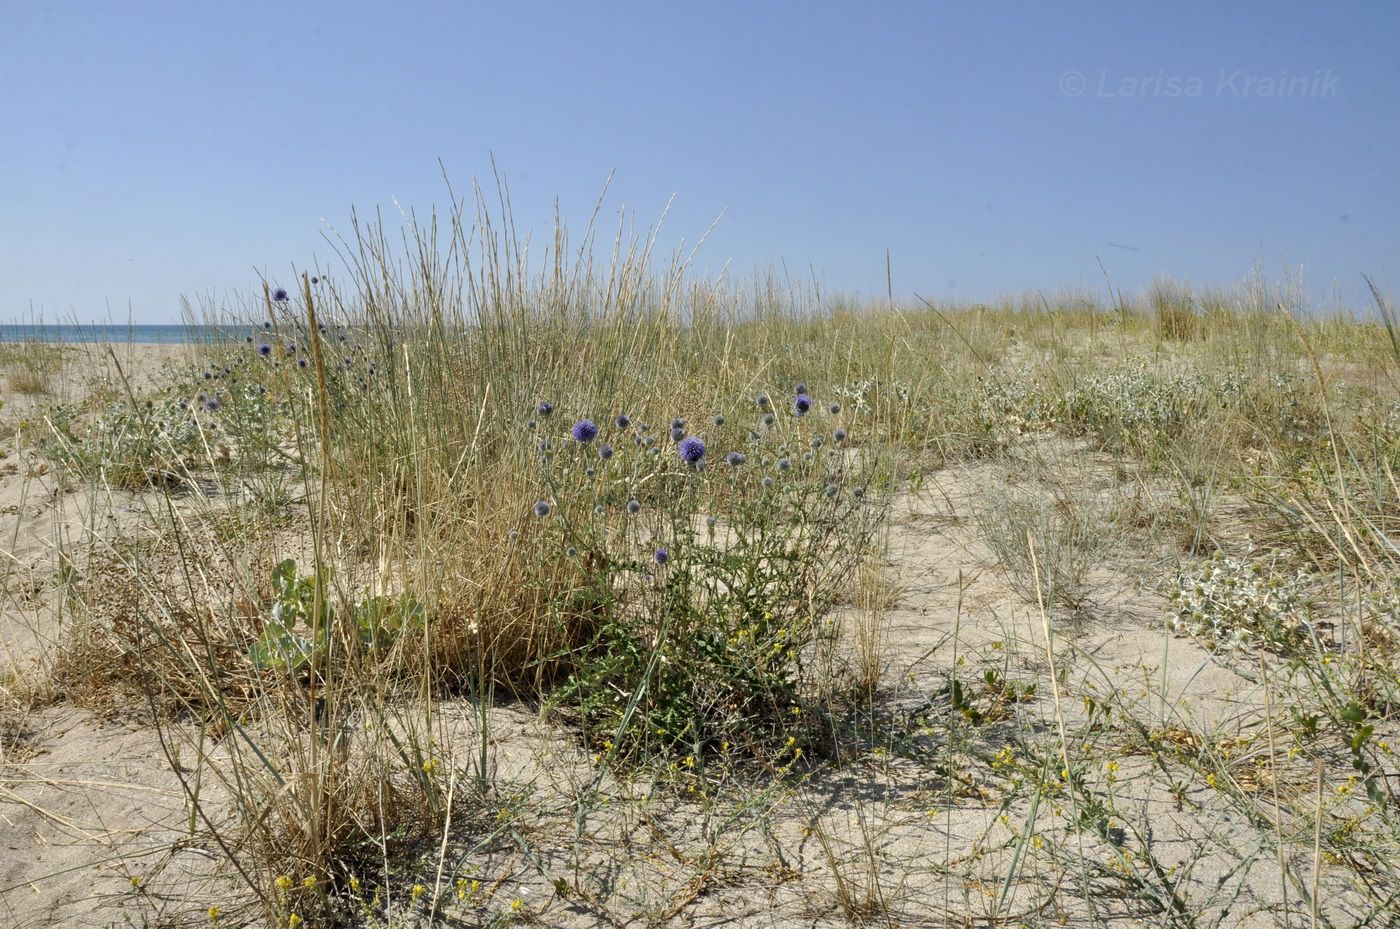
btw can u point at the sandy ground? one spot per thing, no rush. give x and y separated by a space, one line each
96 827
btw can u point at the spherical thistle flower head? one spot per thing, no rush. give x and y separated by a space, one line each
839 436
832 490
717 419
605 452
767 483
267 325
248 339
801 404
634 506
280 295
530 425
677 433
769 419
208 375
264 349
623 421
857 492
584 431
800 388
301 362
734 459
542 509
763 401
711 522
545 408
212 403
784 464
544 445
691 450
833 408
678 422
662 556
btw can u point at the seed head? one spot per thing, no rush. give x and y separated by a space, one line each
734 459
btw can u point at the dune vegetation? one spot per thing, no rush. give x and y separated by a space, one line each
461 586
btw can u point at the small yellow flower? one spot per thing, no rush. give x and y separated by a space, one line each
429 766
1210 779
516 904
136 882
293 921
283 882
309 883
214 912
1112 769
354 883
418 891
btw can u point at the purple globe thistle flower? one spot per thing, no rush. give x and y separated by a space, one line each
857 492
767 483
662 556
691 450
530 425
264 349
784 464
718 419
763 401
267 325
677 433
584 431
280 295
212 404
634 506
832 490
545 408
839 436
623 421
208 375
678 422
833 408
301 362
801 404
315 280
711 523
542 509
801 388
769 419
734 459
605 452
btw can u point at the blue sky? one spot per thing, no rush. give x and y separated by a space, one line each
158 149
